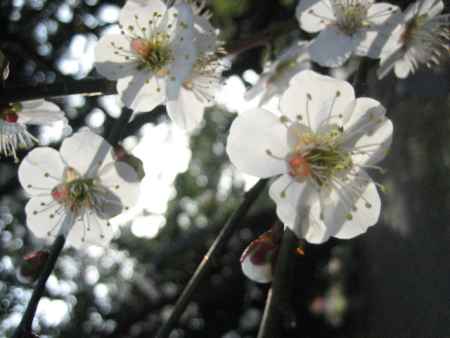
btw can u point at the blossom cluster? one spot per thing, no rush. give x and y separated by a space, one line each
164 55
317 143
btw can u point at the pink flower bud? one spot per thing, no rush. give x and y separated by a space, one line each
32 266
259 258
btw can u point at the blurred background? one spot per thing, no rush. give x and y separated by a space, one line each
393 281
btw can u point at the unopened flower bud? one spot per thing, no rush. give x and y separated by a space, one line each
259 258
32 266
4 67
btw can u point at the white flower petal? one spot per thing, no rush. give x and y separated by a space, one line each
388 62
187 111
122 180
372 44
252 134
86 152
364 211
39 112
183 48
362 114
379 13
372 147
111 62
436 9
367 132
142 92
286 193
428 7
259 273
295 132
41 170
314 15
316 100
139 13
90 230
298 207
403 68
332 48
277 75
44 216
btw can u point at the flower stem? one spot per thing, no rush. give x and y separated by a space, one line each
25 325
360 78
119 126
67 87
277 303
27 318
205 265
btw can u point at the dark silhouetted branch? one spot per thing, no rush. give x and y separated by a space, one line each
63 88
278 297
205 266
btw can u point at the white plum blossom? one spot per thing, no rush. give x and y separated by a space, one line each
15 117
422 36
347 27
198 90
76 191
319 150
277 74
152 56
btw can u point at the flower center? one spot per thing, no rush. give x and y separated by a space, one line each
9 112
75 192
319 157
154 53
350 18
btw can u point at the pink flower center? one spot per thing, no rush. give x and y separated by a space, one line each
299 166
8 112
60 193
141 47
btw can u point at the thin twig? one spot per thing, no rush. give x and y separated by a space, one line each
204 267
279 294
115 135
63 88
25 325
262 38
39 289
360 77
